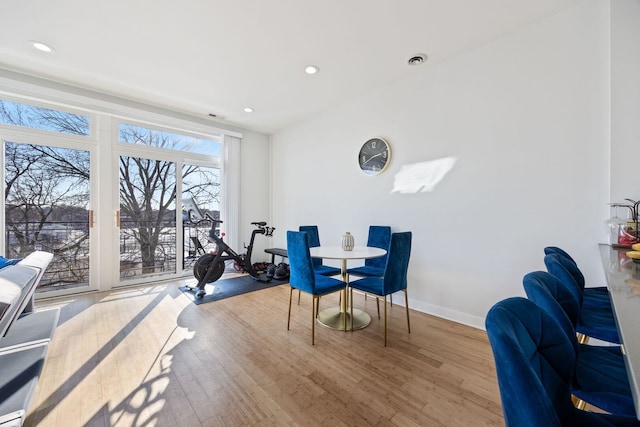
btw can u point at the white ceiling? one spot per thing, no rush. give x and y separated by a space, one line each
219 56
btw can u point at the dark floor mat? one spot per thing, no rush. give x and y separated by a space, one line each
225 288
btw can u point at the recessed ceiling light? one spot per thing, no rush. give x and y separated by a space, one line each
248 110
417 59
41 46
311 69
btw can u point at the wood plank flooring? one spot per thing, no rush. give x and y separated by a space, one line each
148 356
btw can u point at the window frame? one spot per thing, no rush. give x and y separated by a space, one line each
105 112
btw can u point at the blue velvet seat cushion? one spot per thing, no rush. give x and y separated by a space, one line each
601 379
600 324
596 297
366 271
323 285
370 285
326 270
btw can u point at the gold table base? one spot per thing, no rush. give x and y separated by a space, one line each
333 318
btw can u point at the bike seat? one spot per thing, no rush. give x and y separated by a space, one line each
259 224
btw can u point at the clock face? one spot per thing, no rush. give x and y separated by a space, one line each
374 156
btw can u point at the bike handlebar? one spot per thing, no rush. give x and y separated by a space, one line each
212 219
262 225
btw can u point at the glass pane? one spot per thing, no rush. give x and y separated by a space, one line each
171 141
30 116
147 218
47 208
201 194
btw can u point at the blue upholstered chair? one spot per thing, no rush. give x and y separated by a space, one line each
394 278
303 277
379 237
593 321
592 296
314 241
535 362
600 377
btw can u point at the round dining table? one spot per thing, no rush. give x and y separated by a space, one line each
334 317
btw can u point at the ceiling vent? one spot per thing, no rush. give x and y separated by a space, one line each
417 59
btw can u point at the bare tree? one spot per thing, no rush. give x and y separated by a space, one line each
148 194
34 194
43 118
43 182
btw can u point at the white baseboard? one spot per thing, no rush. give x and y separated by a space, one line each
442 312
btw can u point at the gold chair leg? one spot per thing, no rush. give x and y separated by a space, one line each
578 403
385 321
299 292
406 304
378 305
313 320
583 339
289 316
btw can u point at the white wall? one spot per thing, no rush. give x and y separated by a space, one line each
255 198
625 100
527 118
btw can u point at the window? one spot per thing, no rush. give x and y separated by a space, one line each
151 243
31 116
171 141
57 164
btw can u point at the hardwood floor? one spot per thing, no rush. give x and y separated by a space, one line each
149 356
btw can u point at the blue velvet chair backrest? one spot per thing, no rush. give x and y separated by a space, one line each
314 240
546 291
379 237
554 264
554 250
302 275
534 362
568 262
395 271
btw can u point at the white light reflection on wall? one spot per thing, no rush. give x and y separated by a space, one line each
422 177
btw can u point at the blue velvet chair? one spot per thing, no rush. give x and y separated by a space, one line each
394 278
593 321
600 377
314 241
535 362
592 296
303 277
379 237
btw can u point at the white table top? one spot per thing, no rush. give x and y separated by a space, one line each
336 252
623 282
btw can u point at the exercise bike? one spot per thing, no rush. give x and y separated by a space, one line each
210 267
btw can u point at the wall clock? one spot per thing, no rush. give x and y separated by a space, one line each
374 156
